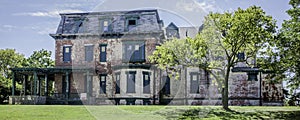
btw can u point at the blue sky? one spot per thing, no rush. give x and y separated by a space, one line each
25 25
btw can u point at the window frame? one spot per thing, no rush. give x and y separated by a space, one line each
194 84
89 52
102 84
67 57
146 83
167 85
118 82
128 26
133 82
109 26
103 55
134 56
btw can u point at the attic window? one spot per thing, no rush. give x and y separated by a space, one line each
131 22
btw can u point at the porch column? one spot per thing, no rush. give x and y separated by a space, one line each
25 83
46 84
88 86
39 86
35 83
260 80
13 84
67 85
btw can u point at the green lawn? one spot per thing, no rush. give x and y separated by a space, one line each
42 112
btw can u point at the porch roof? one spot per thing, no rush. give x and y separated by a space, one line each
52 70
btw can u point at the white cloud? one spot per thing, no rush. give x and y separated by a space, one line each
208 5
7 28
43 28
53 13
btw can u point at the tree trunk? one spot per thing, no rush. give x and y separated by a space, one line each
225 90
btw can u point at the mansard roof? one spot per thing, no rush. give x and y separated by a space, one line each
89 23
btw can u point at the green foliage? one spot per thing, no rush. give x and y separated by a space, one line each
40 59
9 58
239 113
216 47
284 57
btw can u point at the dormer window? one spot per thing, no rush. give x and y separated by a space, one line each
131 23
105 25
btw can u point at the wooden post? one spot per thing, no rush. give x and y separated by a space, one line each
260 80
88 86
25 83
13 84
35 83
67 85
46 84
39 86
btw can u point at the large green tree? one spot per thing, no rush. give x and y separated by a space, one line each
40 59
9 58
215 49
286 55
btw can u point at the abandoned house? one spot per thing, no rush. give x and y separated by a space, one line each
102 58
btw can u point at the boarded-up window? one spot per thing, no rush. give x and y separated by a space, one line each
194 84
89 53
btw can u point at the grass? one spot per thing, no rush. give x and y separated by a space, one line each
67 112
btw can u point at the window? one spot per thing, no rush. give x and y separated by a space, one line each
130 82
133 51
105 25
166 88
194 84
103 52
118 83
131 23
103 84
89 53
67 50
146 82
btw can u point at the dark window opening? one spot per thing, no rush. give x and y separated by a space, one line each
131 22
166 88
103 48
103 84
118 83
146 82
89 53
67 50
130 82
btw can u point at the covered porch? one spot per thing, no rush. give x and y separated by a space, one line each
37 85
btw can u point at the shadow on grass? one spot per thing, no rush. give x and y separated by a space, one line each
219 113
